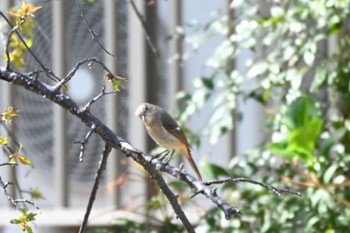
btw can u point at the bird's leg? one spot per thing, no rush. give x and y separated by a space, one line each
161 155
170 157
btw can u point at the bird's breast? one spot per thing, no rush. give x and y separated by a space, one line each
163 137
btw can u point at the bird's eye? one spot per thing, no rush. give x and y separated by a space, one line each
146 108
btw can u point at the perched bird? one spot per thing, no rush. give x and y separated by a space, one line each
164 130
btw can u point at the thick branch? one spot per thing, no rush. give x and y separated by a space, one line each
110 138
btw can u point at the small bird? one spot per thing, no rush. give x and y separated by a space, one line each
164 130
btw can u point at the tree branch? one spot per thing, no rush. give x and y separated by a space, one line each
92 32
49 72
144 26
14 202
101 168
82 144
150 164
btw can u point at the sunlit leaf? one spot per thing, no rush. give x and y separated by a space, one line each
3 140
329 173
36 193
309 58
9 113
24 160
115 81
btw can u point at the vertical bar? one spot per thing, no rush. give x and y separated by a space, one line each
231 137
111 105
331 46
152 57
175 68
7 99
137 89
59 118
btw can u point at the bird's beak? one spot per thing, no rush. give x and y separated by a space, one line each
140 112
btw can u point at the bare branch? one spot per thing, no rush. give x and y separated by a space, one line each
8 60
151 165
50 74
86 139
92 198
14 202
8 164
70 75
144 26
99 96
93 33
277 191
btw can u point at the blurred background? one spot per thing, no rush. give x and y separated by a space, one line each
260 88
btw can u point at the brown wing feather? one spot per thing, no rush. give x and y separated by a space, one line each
172 127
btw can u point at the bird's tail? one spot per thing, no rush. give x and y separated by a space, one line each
192 163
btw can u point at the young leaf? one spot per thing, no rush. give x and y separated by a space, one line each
3 140
24 160
9 113
116 81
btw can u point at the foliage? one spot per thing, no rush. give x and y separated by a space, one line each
14 157
23 18
305 90
23 220
115 81
26 216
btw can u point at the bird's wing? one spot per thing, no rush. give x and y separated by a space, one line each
172 127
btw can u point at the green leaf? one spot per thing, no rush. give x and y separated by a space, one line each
31 216
282 150
261 95
213 171
15 221
329 173
29 229
90 1
320 78
208 83
300 112
3 140
304 138
115 81
332 140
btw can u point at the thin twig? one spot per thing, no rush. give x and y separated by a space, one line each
86 139
71 73
93 33
97 97
50 74
277 191
8 60
8 164
152 166
144 26
102 166
14 202
12 136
